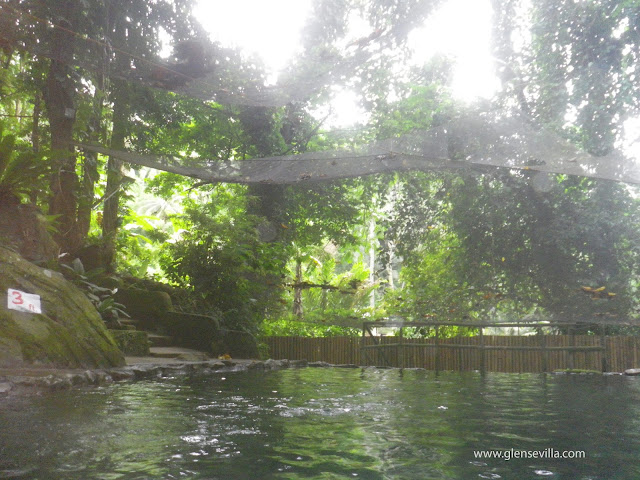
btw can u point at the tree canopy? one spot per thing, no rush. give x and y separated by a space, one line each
199 170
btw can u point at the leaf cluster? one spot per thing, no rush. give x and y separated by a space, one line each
494 244
101 297
221 258
19 168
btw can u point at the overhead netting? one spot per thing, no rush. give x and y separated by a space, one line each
208 72
474 142
199 68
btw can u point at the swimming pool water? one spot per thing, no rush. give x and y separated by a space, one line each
327 424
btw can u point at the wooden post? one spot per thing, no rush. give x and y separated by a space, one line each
437 359
482 352
544 352
572 342
364 355
603 344
400 349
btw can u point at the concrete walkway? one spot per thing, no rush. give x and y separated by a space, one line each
180 355
170 355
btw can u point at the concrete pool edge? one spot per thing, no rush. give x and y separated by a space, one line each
38 379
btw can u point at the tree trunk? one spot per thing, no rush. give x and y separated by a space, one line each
114 178
97 134
114 165
59 96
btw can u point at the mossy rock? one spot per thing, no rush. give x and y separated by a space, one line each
150 307
68 333
192 330
131 342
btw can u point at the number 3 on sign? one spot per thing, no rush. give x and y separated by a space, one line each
17 297
23 302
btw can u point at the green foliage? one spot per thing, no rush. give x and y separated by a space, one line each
220 256
443 332
101 297
321 212
138 256
495 246
478 245
20 169
434 284
346 298
423 107
147 225
289 326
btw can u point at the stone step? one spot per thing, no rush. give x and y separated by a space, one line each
126 322
187 354
156 340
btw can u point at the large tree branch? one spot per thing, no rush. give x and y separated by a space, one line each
475 141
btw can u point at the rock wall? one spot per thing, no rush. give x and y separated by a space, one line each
69 332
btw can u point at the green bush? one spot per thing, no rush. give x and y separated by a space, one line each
288 327
221 259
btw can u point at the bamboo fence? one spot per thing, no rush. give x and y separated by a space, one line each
493 353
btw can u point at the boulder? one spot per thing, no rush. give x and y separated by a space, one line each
149 307
68 332
193 330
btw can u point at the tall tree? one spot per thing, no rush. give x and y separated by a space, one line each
59 97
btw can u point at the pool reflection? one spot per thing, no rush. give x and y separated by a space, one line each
327 423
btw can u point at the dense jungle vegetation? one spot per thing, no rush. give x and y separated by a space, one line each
318 258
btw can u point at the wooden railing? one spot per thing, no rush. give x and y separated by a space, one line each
495 352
